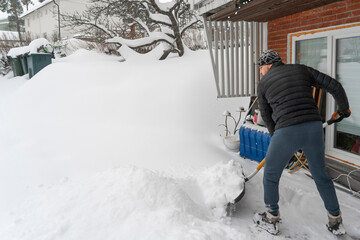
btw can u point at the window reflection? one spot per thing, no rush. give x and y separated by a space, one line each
313 53
347 72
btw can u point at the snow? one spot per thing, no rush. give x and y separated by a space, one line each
94 147
165 5
14 52
255 127
37 43
160 18
221 184
153 36
32 48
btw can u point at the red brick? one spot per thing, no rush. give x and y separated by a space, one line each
338 22
339 10
306 13
343 15
312 21
355 13
329 18
325 13
325 24
353 19
353 7
330 6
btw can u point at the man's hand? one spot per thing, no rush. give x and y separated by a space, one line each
345 114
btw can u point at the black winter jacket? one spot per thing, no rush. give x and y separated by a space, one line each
285 95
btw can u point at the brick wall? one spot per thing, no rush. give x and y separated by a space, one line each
338 13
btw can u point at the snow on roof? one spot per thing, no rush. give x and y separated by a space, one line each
35 8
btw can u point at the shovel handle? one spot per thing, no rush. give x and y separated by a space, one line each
336 117
261 165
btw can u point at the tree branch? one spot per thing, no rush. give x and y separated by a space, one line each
195 21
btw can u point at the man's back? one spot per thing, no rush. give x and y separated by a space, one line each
288 90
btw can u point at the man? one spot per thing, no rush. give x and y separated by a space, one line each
293 120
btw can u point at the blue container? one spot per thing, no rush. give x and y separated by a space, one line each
260 145
242 139
247 143
253 143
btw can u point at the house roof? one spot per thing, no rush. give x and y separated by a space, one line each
46 2
263 10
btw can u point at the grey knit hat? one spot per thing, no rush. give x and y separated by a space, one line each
269 57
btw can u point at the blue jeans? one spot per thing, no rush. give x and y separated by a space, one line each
309 137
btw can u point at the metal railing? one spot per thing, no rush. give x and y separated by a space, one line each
234 49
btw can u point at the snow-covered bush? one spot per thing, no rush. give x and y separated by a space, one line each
67 47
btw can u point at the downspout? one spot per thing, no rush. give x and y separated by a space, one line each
58 7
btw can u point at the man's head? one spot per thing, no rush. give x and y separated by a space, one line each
267 59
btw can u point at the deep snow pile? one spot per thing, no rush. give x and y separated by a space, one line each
94 148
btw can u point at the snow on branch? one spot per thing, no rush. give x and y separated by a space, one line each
160 18
142 42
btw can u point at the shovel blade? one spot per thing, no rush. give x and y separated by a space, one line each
231 206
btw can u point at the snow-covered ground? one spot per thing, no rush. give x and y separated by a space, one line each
95 148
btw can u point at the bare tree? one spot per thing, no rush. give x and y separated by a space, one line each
136 23
14 9
26 3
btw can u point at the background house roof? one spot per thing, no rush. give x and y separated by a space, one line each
40 5
263 10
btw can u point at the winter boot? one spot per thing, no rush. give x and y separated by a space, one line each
268 222
335 225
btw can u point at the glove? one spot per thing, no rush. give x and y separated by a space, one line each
345 114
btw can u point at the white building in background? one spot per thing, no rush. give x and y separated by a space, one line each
42 20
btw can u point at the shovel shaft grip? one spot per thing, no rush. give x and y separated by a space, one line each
261 165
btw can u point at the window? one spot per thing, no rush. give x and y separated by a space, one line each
313 53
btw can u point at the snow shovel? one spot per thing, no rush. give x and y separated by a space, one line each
231 206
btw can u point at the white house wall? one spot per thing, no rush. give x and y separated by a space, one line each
43 22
